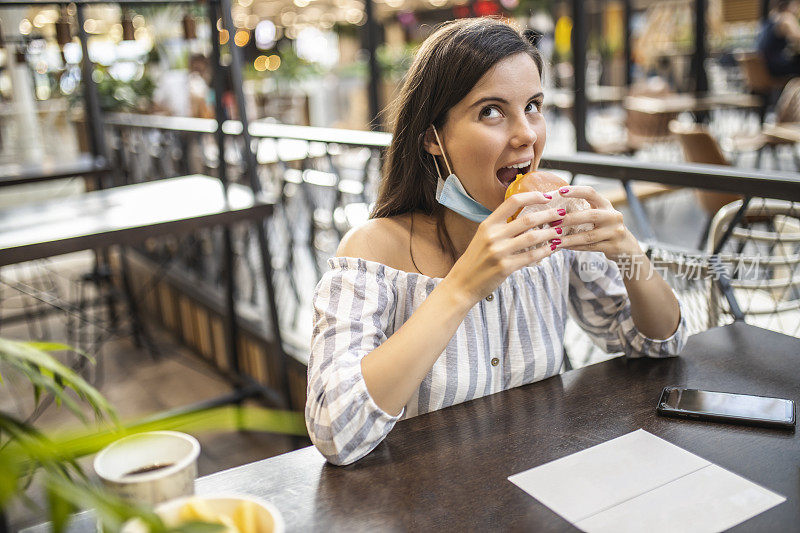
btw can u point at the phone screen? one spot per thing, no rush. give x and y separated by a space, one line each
726 404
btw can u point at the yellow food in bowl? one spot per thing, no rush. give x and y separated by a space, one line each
247 516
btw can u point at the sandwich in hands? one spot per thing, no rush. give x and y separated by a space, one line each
547 182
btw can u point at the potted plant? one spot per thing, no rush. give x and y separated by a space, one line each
24 450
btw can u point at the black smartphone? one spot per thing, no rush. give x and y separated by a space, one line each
727 407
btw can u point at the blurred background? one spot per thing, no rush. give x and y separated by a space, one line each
279 104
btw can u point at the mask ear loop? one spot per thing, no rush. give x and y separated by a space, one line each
446 162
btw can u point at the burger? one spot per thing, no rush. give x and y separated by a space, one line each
538 180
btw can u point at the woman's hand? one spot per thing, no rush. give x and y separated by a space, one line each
500 247
609 235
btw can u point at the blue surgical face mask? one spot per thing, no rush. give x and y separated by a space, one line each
451 193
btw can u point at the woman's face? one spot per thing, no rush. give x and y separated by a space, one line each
496 131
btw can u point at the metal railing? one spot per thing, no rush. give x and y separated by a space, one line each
323 181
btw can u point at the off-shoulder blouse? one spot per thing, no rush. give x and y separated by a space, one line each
512 337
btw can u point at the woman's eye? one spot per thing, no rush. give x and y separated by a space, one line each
490 112
533 106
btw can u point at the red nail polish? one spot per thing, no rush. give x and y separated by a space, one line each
547 196
563 190
553 247
557 222
561 212
559 230
555 241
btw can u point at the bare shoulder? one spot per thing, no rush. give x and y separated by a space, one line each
384 240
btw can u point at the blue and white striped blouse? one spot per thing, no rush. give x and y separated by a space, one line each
512 337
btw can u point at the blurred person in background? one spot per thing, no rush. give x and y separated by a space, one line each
779 41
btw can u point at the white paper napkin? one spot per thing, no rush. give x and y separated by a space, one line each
639 481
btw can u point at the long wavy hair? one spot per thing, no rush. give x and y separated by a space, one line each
447 66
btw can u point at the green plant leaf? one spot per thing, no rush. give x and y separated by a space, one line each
49 346
10 472
40 382
68 488
59 511
53 375
111 510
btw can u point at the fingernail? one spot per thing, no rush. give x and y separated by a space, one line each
563 190
561 212
555 241
559 230
553 247
556 223
547 196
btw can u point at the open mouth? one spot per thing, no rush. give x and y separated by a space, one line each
508 174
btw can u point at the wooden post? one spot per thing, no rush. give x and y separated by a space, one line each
374 86
628 9
579 34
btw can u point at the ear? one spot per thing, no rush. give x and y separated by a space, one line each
429 142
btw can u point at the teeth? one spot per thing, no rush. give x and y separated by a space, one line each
520 165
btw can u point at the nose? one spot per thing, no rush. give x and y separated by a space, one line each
523 133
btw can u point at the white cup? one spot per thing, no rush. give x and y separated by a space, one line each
150 468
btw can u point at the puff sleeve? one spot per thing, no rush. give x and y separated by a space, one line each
598 301
353 307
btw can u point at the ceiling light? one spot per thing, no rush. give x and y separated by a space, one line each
241 38
354 16
265 34
25 26
288 18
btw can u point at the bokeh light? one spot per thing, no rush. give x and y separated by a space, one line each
241 38
265 34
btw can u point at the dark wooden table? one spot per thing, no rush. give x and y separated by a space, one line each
122 215
447 470
85 166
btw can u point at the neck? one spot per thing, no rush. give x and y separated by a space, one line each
460 229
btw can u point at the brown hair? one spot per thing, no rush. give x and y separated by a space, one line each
447 66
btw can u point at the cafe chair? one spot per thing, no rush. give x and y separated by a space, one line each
687 272
762 257
699 146
787 110
642 130
758 79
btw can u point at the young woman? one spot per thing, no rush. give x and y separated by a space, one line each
438 299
